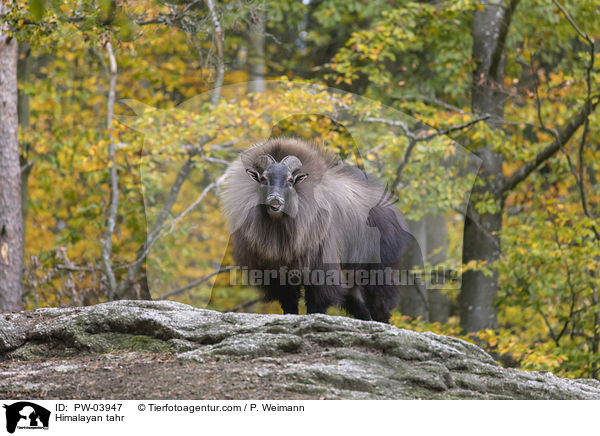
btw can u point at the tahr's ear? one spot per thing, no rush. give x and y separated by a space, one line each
299 177
254 174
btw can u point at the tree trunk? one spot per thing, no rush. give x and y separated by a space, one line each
414 300
256 53
24 66
431 233
437 242
11 226
479 290
482 232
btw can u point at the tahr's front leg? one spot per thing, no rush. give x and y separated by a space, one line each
355 305
288 298
317 299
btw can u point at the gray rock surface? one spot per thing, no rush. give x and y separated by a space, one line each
310 356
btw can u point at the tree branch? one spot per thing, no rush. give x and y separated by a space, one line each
194 283
168 18
219 37
573 23
199 199
453 128
501 40
114 182
405 159
395 123
245 305
76 268
588 80
186 168
154 233
159 224
563 136
430 99
414 139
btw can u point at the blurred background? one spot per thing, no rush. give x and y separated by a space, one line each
119 117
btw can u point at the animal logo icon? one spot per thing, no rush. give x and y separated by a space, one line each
25 414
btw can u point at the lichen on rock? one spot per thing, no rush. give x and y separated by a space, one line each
310 356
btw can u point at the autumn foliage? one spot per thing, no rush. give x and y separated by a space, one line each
404 61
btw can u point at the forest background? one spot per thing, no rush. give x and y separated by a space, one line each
104 165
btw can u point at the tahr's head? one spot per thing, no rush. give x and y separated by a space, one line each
278 183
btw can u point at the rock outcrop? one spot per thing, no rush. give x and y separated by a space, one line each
172 350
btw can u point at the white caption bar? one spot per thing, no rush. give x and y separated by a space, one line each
248 417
